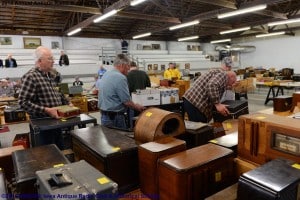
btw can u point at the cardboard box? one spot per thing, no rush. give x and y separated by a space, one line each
146 99
169 95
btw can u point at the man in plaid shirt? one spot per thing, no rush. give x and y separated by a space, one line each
206 93
38 97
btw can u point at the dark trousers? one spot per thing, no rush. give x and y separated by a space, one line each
193 113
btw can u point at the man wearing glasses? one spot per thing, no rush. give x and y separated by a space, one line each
38 97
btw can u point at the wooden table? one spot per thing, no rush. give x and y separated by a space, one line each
277 87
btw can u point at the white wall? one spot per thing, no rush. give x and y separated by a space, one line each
278 52
90 43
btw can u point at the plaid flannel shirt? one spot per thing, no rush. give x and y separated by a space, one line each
38 91
207 90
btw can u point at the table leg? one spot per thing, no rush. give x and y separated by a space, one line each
268 96
279 89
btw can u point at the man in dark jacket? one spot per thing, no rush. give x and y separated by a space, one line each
10 62
64 59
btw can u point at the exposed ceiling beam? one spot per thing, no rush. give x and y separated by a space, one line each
156 18
70 8
273 14
221 3
163 8
117 5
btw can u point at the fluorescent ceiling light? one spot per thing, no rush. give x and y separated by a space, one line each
235 30
136 2
106 15
184 25
243 11
220 41
188 38
74 31
270 34
289 21
141 35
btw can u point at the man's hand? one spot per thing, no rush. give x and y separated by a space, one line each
221 108
52 112
139 107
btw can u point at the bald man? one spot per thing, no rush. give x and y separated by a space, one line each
205 95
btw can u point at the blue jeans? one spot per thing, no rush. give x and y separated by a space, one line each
117 121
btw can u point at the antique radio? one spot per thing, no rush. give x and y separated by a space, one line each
111 152
165 82
21 139
275 180
195 173
160 123
282 103
6 163
67 111
79 180
236 108
92 104
296 77
252 139
262 137
26 162
196 134
229 141
284 140
296 100
14 114
149 153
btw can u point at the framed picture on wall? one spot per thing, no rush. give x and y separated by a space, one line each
55 45
155 66
147 47
31 43
187 66
5 41
156 46
162 67
149 67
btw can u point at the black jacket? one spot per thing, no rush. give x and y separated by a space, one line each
63 60
7 64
